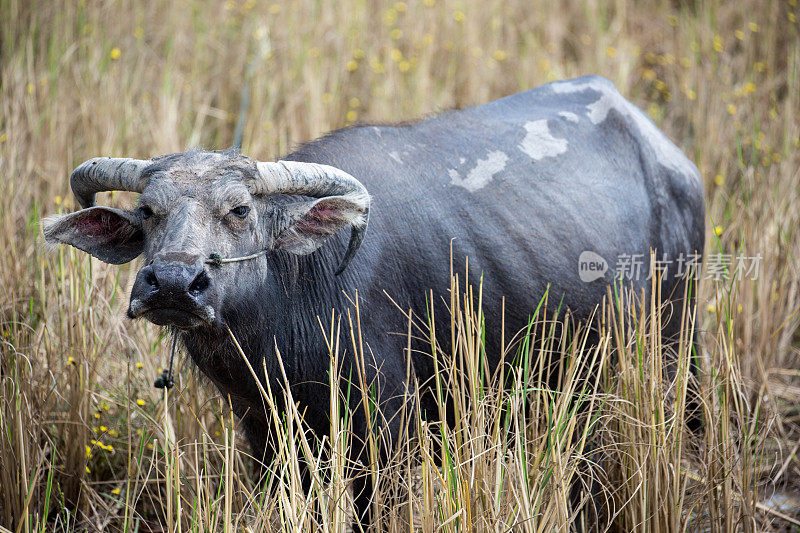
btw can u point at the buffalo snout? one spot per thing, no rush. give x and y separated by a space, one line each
174 290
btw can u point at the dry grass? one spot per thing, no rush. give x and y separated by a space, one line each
88 443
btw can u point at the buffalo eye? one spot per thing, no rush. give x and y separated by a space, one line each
240 211
146 212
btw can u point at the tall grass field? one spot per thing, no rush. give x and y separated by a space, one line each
88 444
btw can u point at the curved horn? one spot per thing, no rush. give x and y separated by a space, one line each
106 174
316 181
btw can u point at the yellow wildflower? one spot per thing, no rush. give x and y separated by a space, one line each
459 16
88 452
396 33
739 34
717 43
753 27
611 51
376 65
352 115
140 402
352 65
718 230
139 365
115 53
115 491
401 7
3 138
711 308
500 55
719 179
327 98
731 109
404 66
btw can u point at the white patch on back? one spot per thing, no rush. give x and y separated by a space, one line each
396 157
572 117
666 152
482 174
540 143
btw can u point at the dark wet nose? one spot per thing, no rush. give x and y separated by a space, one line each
172 287
175 279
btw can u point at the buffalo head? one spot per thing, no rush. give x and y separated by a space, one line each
197 207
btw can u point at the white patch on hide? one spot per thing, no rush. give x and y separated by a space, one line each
482 174
540 143
666 152
572 117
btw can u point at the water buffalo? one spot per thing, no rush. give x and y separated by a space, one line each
546 188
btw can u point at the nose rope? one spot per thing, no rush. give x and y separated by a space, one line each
164 381
217 259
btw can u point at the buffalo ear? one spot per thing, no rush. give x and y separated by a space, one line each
111 235
313 222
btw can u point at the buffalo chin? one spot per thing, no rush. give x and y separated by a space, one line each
179 318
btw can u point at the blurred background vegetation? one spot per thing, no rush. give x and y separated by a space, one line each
86 441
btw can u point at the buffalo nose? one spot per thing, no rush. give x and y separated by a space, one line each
175 279
174 290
